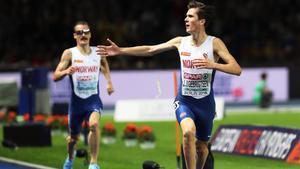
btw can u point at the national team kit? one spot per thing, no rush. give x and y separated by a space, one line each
195 97
85 97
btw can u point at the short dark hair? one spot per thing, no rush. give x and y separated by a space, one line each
264 76
81 23
204 11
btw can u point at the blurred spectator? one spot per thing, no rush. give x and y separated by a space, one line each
262 94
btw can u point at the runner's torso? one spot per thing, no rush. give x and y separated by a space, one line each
195 84
85 80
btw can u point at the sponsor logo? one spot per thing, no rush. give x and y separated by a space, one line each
269 142
226 140
189 76
274 144
78 61
185 54
84 78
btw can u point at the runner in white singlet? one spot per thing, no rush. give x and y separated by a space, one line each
199 55
83 66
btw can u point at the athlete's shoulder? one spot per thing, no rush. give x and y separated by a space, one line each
188 36
72 48
216 39
212 36
218 43
175 41
179 38
184 38
67 52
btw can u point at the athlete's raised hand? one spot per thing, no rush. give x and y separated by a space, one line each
111 50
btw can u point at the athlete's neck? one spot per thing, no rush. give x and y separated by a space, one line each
198 38
85 49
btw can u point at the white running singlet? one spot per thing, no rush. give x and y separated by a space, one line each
86 77
195 82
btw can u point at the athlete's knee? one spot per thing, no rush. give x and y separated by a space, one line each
188 128
188 134
72 139
201 147
94 127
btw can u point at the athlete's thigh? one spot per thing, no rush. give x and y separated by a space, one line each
76 117
182 111
204 124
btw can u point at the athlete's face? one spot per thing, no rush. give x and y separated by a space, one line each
192 22
82 34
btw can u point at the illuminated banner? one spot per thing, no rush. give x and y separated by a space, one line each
260 141
159 84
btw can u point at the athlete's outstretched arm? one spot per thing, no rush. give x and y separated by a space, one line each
106 72
145 50
63 68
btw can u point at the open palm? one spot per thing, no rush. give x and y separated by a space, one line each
111 50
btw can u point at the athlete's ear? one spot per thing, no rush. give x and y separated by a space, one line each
202 21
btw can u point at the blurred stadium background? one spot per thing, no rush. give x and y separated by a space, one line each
261 35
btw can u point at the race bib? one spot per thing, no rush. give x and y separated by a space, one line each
196 85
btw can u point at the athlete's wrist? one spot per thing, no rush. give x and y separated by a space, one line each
109 82
214 65
122 51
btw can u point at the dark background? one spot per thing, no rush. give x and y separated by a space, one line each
258 33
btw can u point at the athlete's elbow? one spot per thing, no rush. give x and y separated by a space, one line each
236 69
238 72
55 77
150 52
